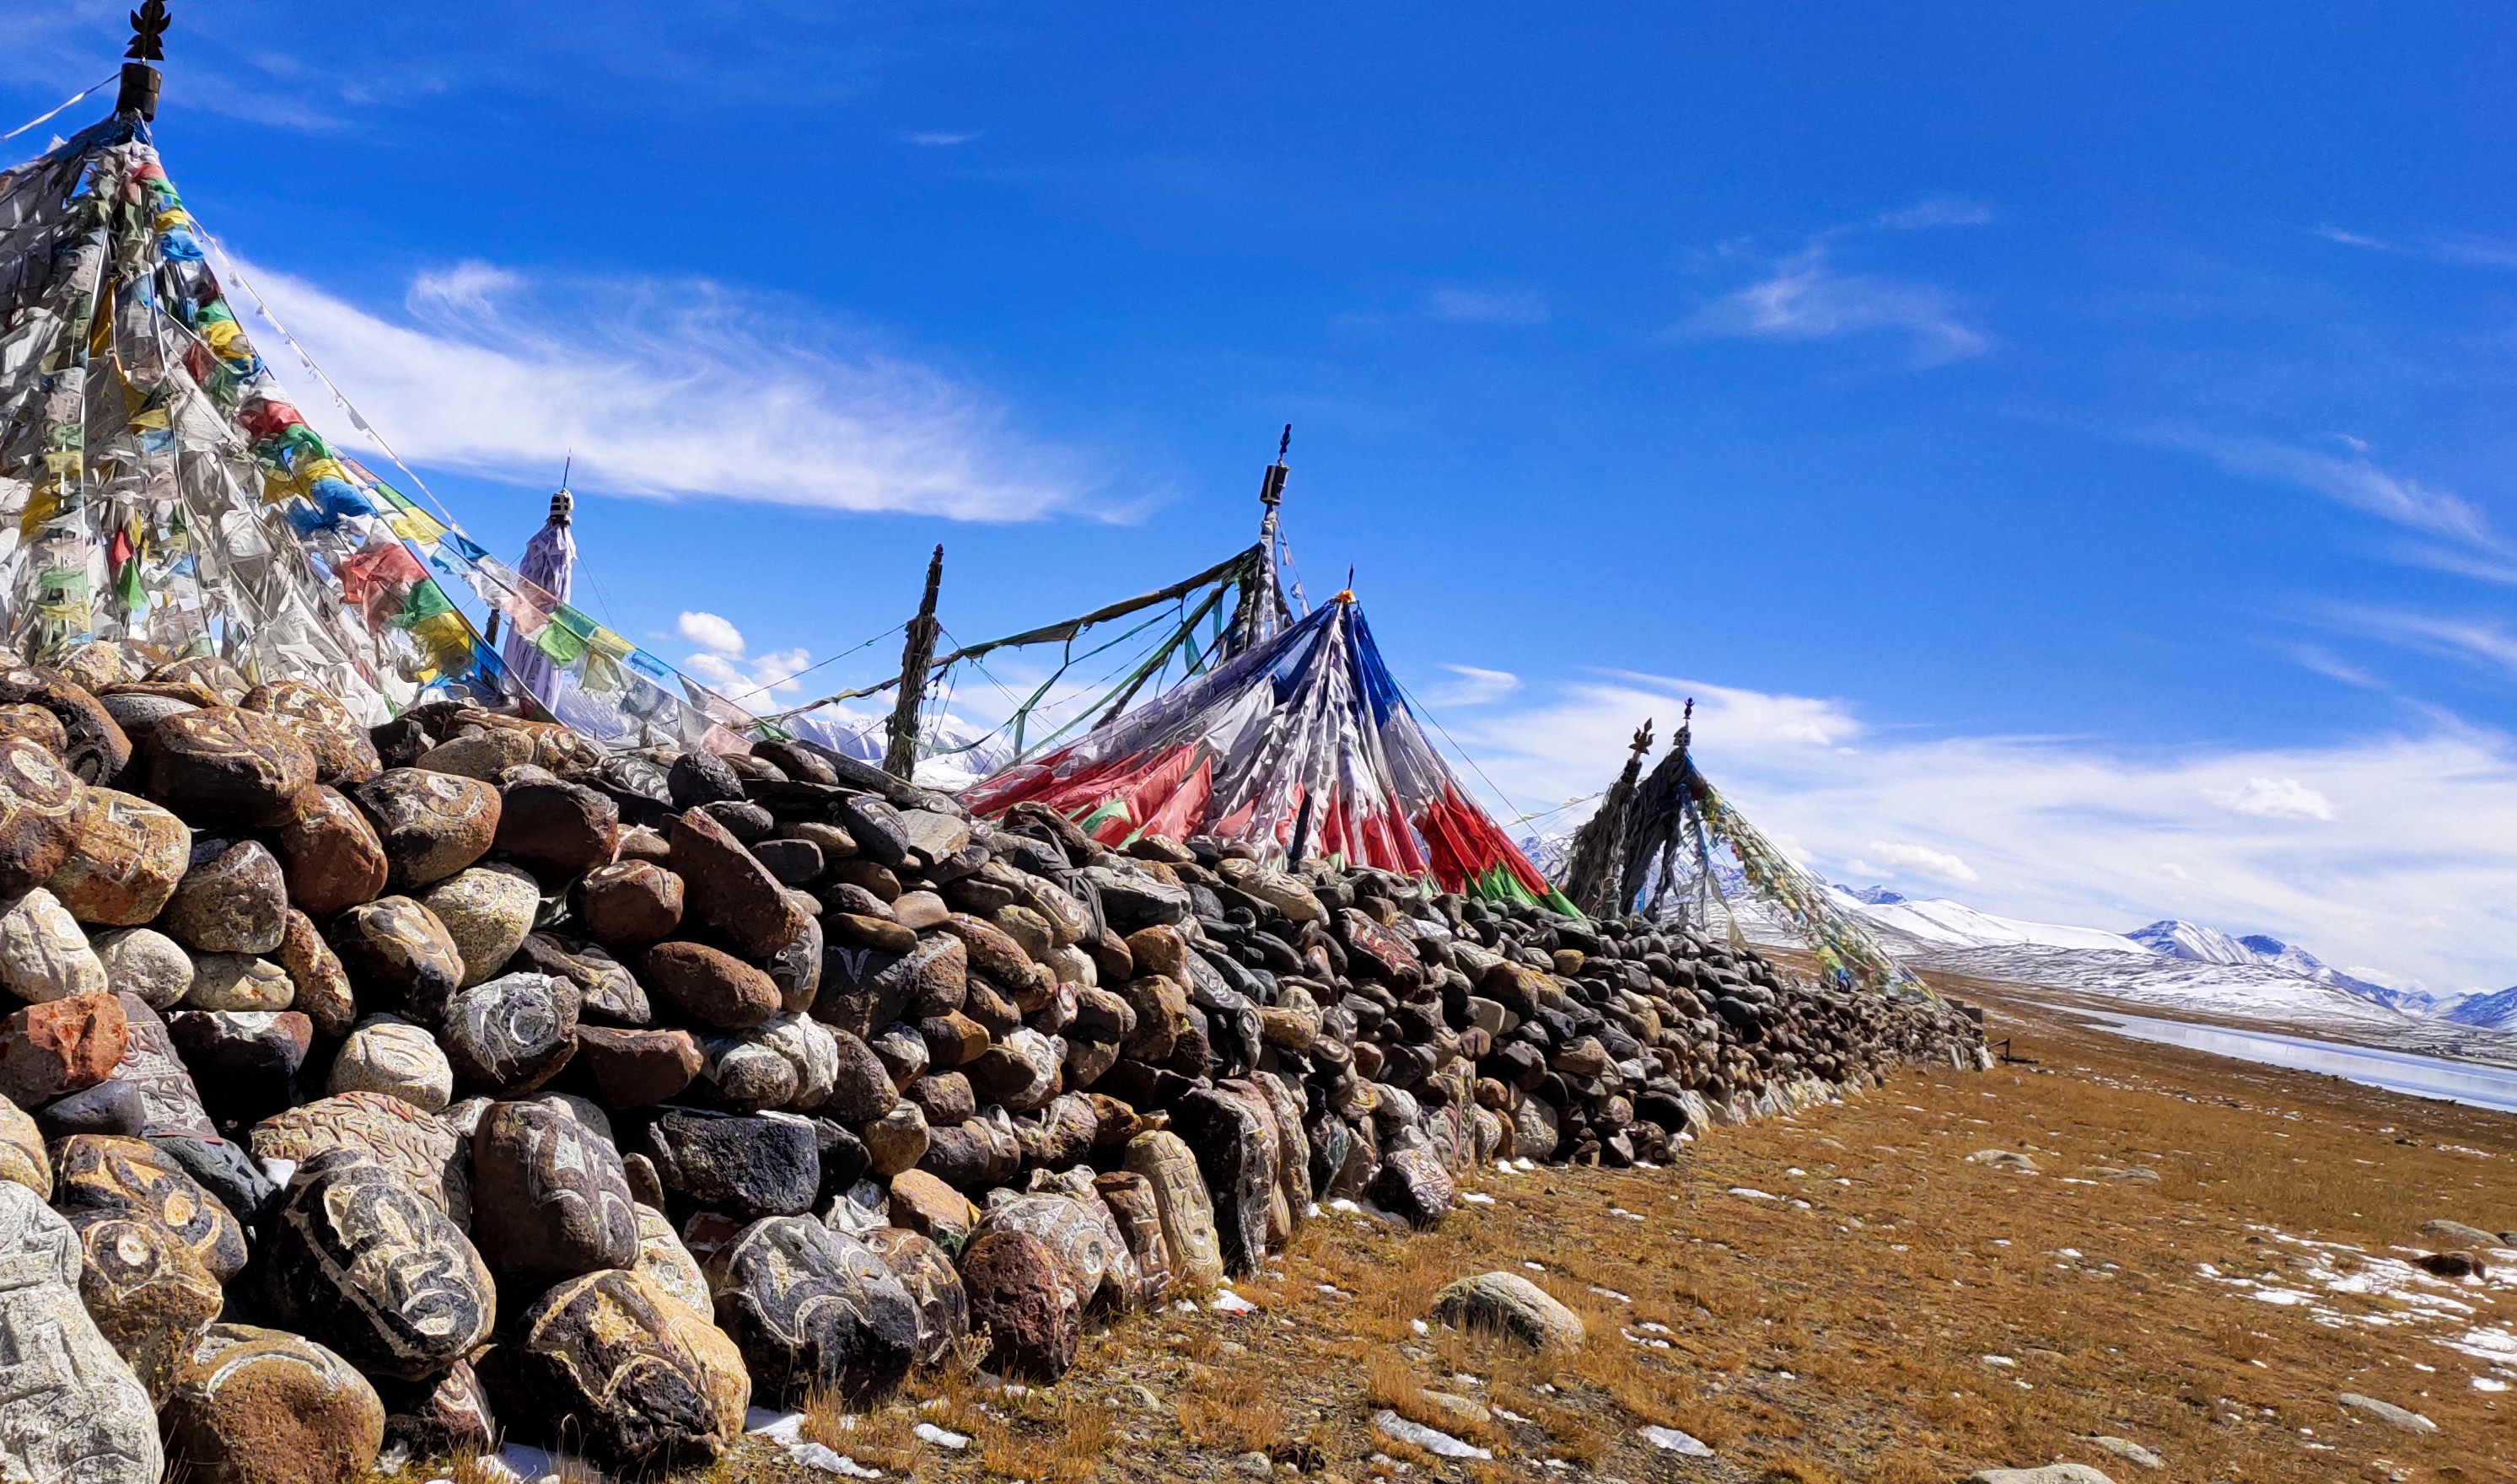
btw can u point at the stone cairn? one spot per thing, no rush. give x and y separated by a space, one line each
453 1077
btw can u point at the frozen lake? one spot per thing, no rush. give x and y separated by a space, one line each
2483 1087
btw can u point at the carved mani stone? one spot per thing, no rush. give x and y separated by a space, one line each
364 1262
549 1198
69 1406
812 1310
637 1378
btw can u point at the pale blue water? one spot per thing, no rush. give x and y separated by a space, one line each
2483 1087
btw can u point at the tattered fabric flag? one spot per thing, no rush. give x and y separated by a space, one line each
122 559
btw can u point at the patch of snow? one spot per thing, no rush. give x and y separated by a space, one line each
1432 1439
1682 1444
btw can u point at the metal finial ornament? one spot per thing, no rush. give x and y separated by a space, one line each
148 31
139 97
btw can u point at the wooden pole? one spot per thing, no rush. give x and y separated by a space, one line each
1254 618
900 758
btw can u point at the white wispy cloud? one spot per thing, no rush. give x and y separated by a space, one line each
1809 295
1934 211
1923 859
662 391
1471 686
2486 641
940 139
1807 298
2460 249
2067 830
1486 306
2358 481
2274 798
2322 661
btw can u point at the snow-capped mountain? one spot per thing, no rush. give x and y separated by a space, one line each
2191 940
2208 944
2168 966
2494 1011
1943 923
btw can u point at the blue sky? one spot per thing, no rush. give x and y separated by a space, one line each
2067 447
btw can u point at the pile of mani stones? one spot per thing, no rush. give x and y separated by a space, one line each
455 1079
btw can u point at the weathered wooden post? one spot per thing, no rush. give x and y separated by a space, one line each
899 757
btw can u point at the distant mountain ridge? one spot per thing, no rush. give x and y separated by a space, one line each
2171 964
2206 945
2494 1011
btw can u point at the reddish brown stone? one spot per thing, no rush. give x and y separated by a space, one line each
322 985
631 1069
1020 1299
729 889
125 857
330 854
631 904
61 1047
709 985
567 826
42 806
36 724
97 749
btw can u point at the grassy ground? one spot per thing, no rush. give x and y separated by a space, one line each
1886 1310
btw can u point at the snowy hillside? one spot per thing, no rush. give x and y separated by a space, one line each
2189 939
1950 924
2495 1012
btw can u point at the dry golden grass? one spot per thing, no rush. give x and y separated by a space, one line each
1229 1410
880 1438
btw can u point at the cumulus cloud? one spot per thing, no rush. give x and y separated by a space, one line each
661 391
751 684
2275 798
1923 859
2063 829
711 633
